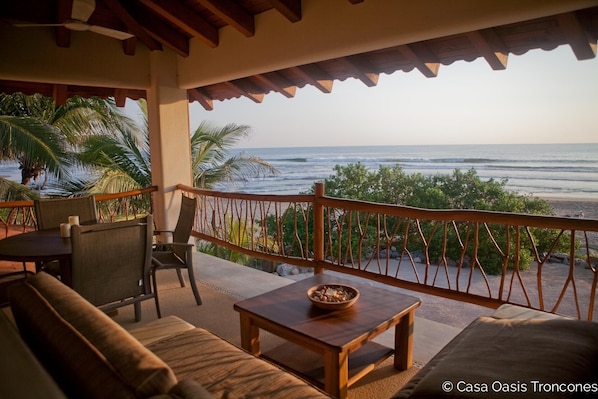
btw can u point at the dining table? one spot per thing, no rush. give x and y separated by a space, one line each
39 246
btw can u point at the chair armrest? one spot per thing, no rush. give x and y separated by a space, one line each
167 245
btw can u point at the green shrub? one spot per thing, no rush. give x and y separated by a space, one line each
459 190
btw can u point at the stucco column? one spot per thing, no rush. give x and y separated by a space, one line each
169 133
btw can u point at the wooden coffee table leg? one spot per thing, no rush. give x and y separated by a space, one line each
404 342
336 373
250 335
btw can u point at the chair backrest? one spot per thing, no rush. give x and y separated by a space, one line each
184 224
50 213
111 261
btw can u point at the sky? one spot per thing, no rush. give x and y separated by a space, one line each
542 97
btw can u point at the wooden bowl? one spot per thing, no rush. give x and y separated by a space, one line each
333 296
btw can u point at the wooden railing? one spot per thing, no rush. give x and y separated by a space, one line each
19 216
480 257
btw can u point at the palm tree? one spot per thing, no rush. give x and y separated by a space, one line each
36 146
209 146
43 137
123 159
120 160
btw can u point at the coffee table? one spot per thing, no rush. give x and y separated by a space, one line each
341 339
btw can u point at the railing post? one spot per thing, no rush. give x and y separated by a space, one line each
318 227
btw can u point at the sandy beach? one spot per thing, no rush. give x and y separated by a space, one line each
568 207
586 208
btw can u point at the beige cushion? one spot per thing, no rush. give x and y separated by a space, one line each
227 371
158 329
186 389
77 367
138 367
508 311
515 352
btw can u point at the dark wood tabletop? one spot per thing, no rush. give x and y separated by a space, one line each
288 313
39 246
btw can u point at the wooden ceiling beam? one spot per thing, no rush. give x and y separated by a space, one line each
64 12
287 88
201 97
237 87
422 58
233 14
130 45
178 42
186 19
60 94
290 9
120 97
490 47
583 46
132 25
357 68
315 76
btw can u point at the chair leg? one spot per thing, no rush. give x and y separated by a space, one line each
181 279
155 285
193 284
158 311
137 307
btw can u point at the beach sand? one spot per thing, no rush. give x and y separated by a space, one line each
568 207
586 208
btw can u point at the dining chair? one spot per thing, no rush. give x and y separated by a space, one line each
50 213
178 254
111 264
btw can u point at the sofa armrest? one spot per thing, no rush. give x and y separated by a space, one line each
22 374
514 352
508 311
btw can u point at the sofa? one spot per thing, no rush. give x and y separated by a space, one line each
515 353
88 355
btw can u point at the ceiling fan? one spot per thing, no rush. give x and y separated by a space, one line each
82 10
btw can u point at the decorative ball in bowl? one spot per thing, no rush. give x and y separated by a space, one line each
333 296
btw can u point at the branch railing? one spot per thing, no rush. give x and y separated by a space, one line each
19 216
481 257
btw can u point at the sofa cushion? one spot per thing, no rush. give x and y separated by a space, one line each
227 371
498 358
138 367
186 389
76 366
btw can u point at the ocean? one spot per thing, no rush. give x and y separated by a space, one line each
544 170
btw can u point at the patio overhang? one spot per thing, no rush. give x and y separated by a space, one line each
176 52
251 48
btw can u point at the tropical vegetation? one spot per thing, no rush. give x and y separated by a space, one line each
460 190
43 137
95 136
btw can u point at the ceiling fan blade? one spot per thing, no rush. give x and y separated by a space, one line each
34 25
82 9
113 33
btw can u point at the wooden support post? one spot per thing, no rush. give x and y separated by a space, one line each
318 227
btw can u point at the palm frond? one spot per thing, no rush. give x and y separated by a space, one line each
33 139
12 191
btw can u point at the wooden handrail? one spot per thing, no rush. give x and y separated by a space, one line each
355 237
